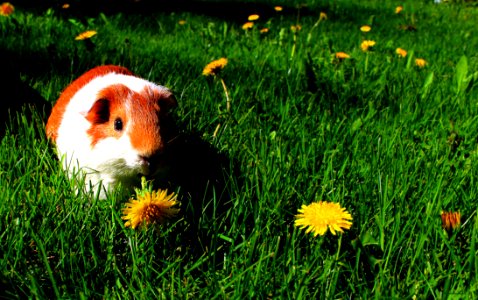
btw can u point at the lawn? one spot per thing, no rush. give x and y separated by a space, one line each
391 136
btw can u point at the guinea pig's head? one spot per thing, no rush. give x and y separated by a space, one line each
128 128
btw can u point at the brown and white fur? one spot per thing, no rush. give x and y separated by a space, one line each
107 126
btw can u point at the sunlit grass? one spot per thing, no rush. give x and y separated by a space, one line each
392 141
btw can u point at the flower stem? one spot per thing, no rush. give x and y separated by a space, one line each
216 130
366 61
338 248
292 52
228 99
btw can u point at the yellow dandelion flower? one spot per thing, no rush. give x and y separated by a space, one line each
65 6
367 44
295 28
248 25
319 216
6 9
278 8
420 62
450 220
253 17
341 55
85 35
398 9
214 67
365 28
401 52
182 22
150 208
264 30
322 16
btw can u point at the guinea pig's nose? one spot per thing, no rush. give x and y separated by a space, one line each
155 161
145 162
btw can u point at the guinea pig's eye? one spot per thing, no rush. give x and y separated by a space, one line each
118 124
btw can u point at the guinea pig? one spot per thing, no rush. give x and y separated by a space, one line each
109 126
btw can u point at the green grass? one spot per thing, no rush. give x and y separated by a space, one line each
392 143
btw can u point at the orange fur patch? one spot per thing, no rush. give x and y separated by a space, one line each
58 110
109 107
146 136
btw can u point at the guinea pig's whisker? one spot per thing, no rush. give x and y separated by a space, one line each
172 139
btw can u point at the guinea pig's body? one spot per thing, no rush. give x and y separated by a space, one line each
107 126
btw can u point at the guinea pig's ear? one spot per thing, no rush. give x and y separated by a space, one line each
167 101
99 113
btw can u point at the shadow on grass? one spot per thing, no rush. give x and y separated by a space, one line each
203 177
235 11
230 10
16 95
7 289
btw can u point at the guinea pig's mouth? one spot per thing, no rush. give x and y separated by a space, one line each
149 166
144 166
